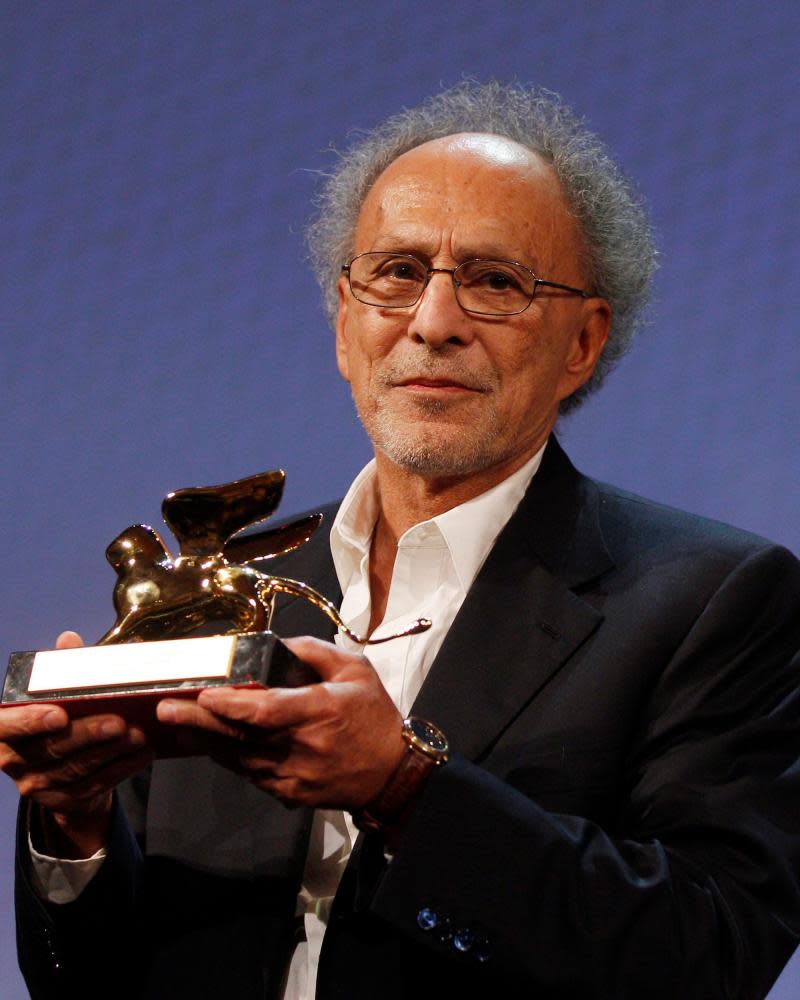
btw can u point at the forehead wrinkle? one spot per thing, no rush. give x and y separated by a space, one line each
433 201
412 240
428 246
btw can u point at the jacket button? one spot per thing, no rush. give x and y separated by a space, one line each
463 939
427 919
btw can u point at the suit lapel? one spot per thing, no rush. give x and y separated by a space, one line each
521 619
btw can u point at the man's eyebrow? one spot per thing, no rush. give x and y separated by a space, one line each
489 250
493 251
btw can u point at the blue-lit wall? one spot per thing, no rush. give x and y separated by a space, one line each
161 328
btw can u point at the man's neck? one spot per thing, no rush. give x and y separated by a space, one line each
408 498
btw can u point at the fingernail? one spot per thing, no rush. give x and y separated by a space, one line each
53 719
136 737
112 727
166 712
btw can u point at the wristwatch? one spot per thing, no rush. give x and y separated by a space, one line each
427 748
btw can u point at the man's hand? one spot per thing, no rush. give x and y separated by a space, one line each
333 744
69 768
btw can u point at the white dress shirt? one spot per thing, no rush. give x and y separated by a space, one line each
435 565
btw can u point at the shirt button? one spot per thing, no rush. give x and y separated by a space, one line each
427 919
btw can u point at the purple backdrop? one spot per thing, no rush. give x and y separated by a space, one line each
160 326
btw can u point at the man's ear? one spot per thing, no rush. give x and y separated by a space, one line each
587 345
341 336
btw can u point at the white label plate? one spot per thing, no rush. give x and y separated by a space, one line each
132 663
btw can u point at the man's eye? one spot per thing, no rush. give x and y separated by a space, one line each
494 280
500 282
402 271
399 270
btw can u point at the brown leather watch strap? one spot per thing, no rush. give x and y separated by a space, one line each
398 794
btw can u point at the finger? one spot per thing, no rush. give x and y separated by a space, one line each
187 712
265 759
70 773
79 794
250 766
276 708
286 789
69 640
73 766
330 662
23 721
262 752
79 735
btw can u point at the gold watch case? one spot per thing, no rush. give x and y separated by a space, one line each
426 739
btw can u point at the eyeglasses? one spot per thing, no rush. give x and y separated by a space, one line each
487 287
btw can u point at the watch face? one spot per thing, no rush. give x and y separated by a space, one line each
429 734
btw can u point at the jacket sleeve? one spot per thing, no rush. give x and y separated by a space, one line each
692 889
85 948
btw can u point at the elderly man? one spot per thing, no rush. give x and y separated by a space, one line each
596 793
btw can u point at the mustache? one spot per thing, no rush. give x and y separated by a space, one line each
436 368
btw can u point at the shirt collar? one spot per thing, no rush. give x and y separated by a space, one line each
469 530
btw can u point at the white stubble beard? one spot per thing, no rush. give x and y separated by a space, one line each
420 446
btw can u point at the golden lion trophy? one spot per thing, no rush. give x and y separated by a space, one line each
189 622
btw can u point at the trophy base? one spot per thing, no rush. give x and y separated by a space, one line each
130 679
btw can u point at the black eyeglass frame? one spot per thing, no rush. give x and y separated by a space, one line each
453 271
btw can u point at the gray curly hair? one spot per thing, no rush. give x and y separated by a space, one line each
619 253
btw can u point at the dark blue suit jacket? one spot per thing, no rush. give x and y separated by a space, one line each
621 817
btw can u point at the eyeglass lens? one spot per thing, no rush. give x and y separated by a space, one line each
397 280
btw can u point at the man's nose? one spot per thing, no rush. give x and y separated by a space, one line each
437 317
